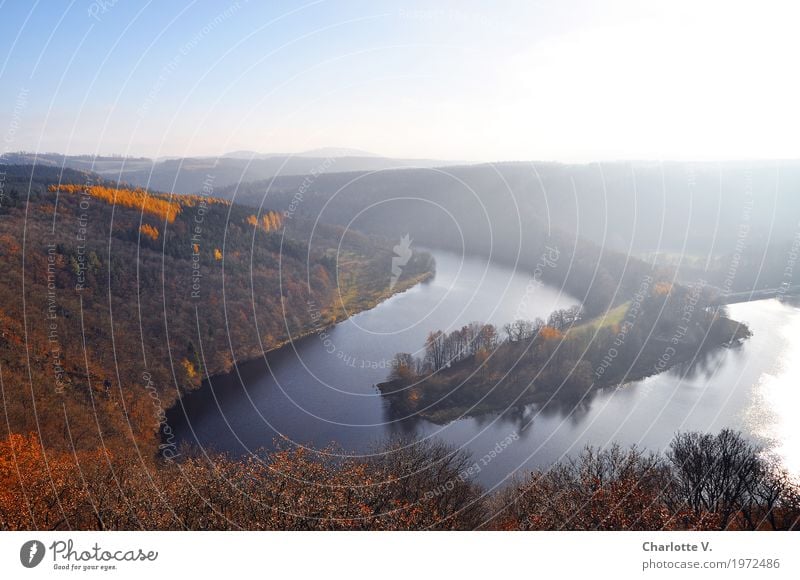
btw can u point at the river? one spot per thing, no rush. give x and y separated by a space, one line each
320 390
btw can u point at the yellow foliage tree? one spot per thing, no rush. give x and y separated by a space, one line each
191 372
270 221
157 205
149 231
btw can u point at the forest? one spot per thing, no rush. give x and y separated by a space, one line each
702 482
118 300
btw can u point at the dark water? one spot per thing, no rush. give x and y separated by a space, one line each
320 390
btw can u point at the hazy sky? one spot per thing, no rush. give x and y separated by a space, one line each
572 81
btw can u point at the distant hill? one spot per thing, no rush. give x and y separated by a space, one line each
322 152
735 224
187 175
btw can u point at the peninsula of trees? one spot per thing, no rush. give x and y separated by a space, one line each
479 368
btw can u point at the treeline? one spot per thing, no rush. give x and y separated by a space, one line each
477 369
479 340
284 490
158 205
703 482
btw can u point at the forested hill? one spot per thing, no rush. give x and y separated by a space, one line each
115 300
474 210
187 175
702 219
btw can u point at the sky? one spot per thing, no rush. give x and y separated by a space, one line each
573 81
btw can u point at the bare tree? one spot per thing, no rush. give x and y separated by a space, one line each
435 350
519 330
715 473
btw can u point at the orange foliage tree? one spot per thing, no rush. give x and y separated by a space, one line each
662 288
157 205
270 221
149 231
40 490
550 333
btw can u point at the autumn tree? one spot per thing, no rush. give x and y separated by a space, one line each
613 489
435 350
149 231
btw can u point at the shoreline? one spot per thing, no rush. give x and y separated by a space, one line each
400 288
413 282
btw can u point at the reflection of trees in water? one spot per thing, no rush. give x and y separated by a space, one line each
572 412
517 417
398 426
706 363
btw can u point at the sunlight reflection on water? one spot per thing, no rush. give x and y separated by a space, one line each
773 412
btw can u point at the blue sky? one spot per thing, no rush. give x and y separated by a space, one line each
455 80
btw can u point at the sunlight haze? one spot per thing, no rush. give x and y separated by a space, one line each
568 81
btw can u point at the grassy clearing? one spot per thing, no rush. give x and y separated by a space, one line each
614 316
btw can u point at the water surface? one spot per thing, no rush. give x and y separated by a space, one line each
320 390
